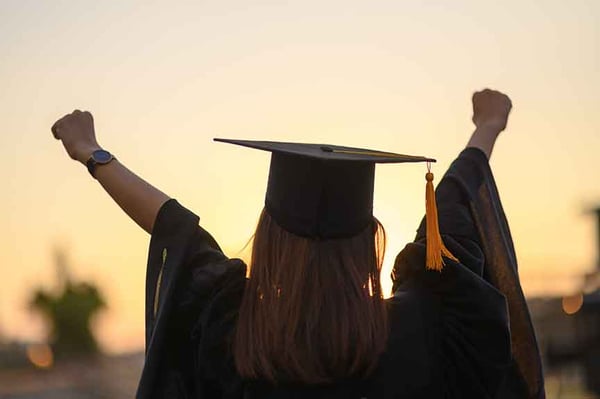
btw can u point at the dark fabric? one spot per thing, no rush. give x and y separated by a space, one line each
176 241
320 198
173 227
327 152
472 173
449 331
321 191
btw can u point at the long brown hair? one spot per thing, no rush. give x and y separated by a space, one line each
313 310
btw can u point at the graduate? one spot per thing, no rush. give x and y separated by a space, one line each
308 318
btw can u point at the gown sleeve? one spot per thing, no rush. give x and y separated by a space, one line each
192 293
472 175
474 351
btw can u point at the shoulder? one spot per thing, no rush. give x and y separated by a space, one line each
453 325
172 218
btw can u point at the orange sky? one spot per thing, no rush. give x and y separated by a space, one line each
162 80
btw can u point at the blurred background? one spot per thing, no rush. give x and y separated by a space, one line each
163 78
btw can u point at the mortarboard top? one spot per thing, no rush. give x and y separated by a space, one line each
322 191
327 151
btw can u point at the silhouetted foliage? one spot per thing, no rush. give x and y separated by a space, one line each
69 312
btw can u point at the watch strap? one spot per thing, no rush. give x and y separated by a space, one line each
91 163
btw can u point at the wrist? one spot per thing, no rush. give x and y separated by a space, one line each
484 137
86 153
98 158
491 127
490 132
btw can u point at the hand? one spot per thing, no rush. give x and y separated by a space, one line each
76 131
490 110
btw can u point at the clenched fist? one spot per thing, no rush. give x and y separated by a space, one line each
76 131
491 109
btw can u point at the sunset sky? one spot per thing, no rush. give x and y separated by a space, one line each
163 78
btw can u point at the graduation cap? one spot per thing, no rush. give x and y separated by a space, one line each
326 191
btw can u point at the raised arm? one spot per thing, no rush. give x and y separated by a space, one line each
139 199
490 114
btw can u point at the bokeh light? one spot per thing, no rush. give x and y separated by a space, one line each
40 355
572 303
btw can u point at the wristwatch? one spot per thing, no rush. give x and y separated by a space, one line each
99 157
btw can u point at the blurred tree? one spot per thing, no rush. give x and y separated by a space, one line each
68 311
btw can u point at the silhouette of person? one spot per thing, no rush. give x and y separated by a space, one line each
310 320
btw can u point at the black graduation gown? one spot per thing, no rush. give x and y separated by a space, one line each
449 331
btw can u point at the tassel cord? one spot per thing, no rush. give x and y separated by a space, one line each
436 249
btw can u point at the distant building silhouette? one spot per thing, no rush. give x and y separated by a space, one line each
589 321
568 328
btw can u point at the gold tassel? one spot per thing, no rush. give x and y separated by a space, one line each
435 246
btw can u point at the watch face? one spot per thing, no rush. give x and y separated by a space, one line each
101 156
